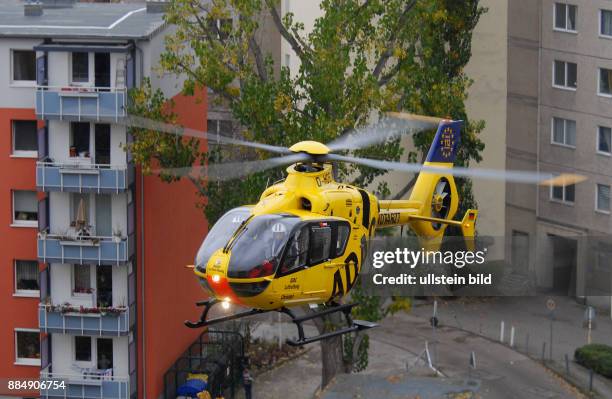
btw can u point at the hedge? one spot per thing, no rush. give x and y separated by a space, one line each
597 357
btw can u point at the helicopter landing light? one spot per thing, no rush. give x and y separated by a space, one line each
216 278
226 304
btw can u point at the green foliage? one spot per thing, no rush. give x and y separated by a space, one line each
361 58
597 357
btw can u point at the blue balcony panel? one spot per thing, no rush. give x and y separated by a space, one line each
84 104
90 250
86 387
51 321
83 178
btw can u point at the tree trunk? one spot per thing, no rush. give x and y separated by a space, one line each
332 359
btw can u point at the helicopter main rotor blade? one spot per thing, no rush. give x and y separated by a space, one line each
233 170
513 176
391 126
150 124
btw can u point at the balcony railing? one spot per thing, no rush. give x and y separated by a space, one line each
88 384
66 319
81 103
55 248
82 177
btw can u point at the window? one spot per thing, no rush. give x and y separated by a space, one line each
604 140
25 208
320 240
605 22
104 348
565 74
605 82
79 139
27 347
24 66
220 126
564 132
297 252
26 277
565 17
563 193
82 279
341 239
80 67
82 349
603 198
25 138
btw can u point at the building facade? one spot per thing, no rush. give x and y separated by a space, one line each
95 249
542 73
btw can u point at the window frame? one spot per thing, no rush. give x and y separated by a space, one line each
22 223
552 132
564 200
598 141
24 361
565 76
92 282
597 209
21 83
567 7
23 153
599 93
92 354
20 292
90 71
600 15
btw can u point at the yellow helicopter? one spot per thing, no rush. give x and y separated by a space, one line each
306 239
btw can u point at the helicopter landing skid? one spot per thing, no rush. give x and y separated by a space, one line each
208 304
352 325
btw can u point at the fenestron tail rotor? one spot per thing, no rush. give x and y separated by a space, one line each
441 201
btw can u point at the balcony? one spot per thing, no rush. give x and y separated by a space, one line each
55 248
81 103
86 384
66 319
83 178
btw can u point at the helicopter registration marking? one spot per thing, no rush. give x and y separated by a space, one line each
388 218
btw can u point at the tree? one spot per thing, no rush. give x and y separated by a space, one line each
362 57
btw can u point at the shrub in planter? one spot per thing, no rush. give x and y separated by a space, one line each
597 357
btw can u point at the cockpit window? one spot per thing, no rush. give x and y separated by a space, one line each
220 234
257 250
296 255
341 238
320 242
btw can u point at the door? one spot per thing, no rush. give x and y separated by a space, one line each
102 70
104 227
102 144
104 347
104 286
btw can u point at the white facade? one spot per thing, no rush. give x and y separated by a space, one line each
15 94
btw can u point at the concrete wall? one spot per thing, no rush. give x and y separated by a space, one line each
14 94
488 67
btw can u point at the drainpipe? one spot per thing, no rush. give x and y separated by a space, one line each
142 248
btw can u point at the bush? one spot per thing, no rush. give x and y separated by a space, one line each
597 357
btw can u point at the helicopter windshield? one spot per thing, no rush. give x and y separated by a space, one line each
256 252
220 234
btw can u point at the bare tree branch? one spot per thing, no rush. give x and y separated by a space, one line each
288 36
384 57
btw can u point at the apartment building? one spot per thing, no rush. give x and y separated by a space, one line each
95 252
542 73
